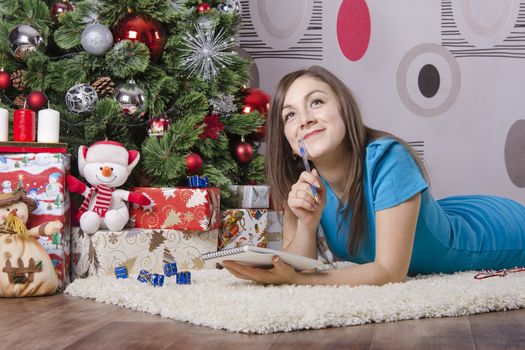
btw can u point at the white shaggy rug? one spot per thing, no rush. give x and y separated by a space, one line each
217 299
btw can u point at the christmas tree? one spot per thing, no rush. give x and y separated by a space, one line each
161 76
56 239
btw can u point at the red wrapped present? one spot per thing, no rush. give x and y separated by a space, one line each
32 147
180 208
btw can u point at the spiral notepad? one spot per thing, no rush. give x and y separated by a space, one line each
262 257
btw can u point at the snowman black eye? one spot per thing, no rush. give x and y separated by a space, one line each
111 169
100 168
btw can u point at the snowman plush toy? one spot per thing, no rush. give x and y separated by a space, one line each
105 165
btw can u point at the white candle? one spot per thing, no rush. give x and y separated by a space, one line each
48 125
4 124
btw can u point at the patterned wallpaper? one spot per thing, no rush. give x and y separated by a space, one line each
445 75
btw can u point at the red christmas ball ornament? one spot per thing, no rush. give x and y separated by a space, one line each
244 152
59 8
5 80
203 8
36 100
158 126
257 99
142 28
193 163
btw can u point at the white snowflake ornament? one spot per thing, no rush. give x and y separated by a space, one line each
223 105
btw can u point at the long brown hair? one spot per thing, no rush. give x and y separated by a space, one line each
282 170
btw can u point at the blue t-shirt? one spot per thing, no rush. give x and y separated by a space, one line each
452 234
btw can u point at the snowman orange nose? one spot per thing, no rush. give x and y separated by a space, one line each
106 171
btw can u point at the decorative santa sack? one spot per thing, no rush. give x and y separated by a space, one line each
25 267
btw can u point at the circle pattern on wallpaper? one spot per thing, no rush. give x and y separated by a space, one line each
514 153
428 80
254 70
485 23
502 10
280 24
353 28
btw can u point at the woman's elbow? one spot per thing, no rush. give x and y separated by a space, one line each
390 275
397 276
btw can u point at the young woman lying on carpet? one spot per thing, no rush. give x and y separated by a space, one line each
374 204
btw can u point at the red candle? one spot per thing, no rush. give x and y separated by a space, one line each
24 125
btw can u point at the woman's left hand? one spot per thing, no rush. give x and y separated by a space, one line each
280 273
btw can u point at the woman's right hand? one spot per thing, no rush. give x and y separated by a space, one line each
301 199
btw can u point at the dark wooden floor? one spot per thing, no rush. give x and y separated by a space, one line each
64 322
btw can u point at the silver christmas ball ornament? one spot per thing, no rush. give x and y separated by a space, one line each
24 39
230 6
81 98
96 39
131 98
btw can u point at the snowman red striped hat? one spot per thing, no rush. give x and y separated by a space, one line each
106 152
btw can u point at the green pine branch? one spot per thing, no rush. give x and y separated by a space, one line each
106 122
113 11
36 14
164 157
254 171
128 58
37 65
160 89
63 74
243 124
191 102
8 7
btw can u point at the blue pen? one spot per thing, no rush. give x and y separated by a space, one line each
302 150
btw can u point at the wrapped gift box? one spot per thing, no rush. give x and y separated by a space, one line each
184 209
275 229
32 147
248 197
243 227
42 176
138 249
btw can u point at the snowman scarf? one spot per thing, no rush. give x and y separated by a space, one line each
102 200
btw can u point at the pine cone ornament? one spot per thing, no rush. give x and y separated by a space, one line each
20 101
104 87
18 79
